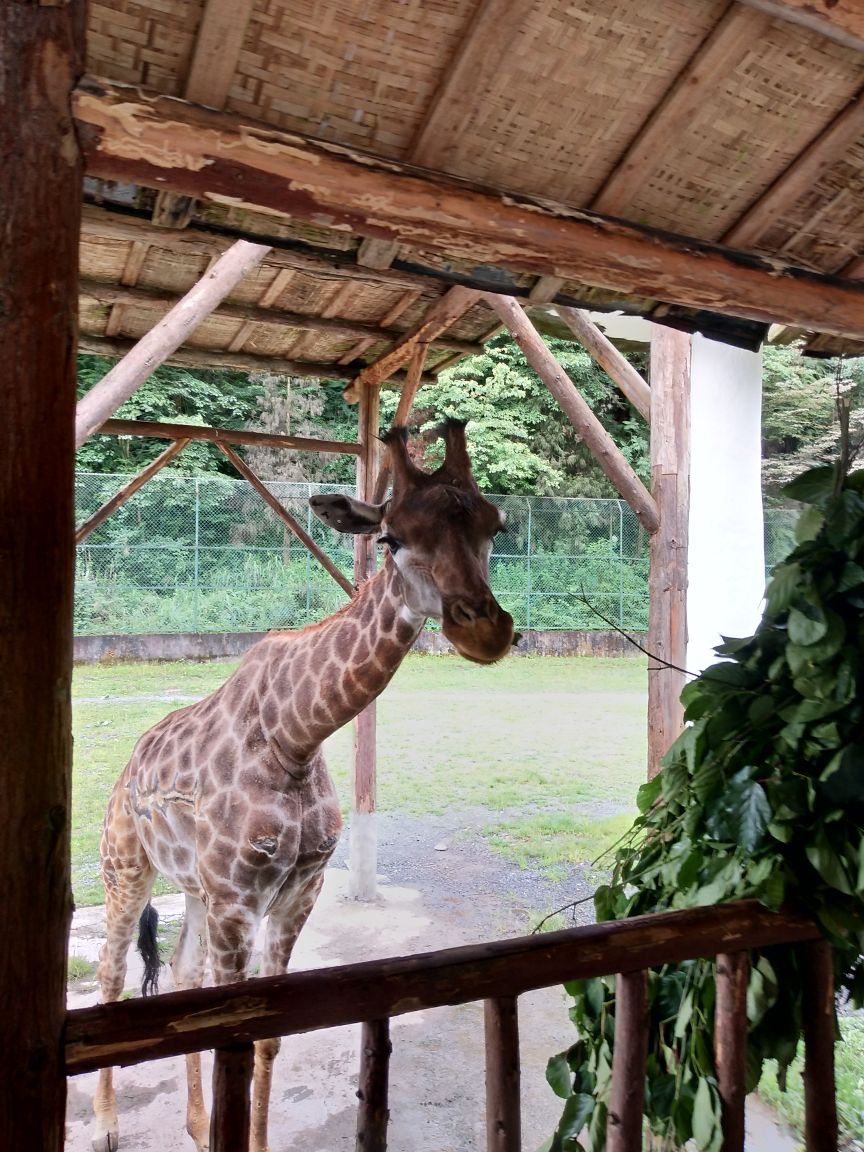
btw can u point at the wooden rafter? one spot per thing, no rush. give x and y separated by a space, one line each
441 315
124 378
261 314
126 136
128 490
545 289
617 367
715 58
403 410
390 316
842 22
161 430
477 58
597 440
285 516
378 254
829 147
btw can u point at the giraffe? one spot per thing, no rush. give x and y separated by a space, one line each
230 798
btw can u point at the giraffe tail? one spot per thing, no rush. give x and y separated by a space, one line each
148 946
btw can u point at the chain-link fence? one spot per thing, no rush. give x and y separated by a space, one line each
206 554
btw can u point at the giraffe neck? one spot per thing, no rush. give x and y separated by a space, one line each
327 674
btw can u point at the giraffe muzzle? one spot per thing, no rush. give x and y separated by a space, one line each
480 631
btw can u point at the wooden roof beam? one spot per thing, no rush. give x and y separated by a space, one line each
715 58
842 22
256 314
139 139
829 146
617 367
194 356
441 315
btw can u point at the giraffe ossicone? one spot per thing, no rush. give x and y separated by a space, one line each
230 798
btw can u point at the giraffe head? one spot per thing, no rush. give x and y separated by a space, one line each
438 528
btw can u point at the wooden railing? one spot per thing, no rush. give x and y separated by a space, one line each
230 1018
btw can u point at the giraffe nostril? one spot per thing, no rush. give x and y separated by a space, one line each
463 613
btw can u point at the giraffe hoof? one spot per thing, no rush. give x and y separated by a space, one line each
106 1141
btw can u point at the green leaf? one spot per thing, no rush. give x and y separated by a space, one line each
809 525
648 794
808 626
827 863
707 1123
843 779
673 782
558 1075
784 585
740 813
812 486
577 1110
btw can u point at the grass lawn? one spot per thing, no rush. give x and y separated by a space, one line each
552 748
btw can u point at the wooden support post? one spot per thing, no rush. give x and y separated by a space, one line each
363 848
162 431
120 383
667 579
596 438
128 490
286 518
373 1113
403 411
503 1075
820 1033
730 1044
41 59
232 1108
617 367
627 1097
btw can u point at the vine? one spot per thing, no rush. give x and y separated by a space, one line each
761 797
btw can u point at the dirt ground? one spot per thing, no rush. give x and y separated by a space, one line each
440 886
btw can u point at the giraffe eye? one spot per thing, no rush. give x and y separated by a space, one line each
391 543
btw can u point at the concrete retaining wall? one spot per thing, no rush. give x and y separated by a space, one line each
213 645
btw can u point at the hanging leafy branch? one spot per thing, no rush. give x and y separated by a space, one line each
761 797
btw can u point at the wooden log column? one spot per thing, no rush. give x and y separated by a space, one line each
667 580
41 58
363 847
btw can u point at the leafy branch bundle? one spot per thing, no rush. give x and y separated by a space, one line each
761 797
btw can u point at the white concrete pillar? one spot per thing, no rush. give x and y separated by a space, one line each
727 551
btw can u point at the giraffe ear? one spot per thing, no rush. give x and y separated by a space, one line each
346 514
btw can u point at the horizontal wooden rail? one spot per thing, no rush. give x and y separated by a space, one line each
132 1031
163 431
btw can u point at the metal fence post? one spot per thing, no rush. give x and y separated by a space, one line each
528 569
620 565
195 587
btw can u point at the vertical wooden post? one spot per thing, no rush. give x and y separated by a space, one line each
503 1076
820 1024
373 1113
363 848
232 1109
41 58
730 1044
667 580
627 1094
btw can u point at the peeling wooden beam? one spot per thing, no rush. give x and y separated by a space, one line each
378 254
132 137
717 55
124 378
830 146
545 289
597 440
441 315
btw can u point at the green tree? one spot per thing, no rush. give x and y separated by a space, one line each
521 442
208 396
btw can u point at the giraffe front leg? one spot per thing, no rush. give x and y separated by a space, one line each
283 927
187 966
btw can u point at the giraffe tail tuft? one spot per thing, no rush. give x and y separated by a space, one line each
148 946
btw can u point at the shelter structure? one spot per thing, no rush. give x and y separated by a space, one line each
369 192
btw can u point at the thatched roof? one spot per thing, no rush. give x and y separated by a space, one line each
726 124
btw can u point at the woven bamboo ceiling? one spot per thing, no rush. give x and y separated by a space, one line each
599 153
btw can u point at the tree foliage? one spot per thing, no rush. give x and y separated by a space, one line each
763 797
